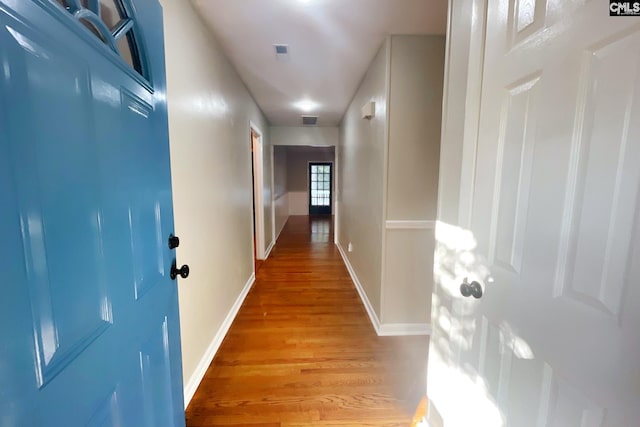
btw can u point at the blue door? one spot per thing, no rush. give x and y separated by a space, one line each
89 327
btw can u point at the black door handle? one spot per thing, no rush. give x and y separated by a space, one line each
182 271
476 290
174 241
465 289
473 289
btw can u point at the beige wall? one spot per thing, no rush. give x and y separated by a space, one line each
281 196
389 178
415 106
298 165
279 171
408 276
209 115
304 135
415 115
361 184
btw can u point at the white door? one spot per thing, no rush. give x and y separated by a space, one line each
544 218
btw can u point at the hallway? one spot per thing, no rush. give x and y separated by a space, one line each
302 350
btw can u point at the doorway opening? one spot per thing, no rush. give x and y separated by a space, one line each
258 205
320 183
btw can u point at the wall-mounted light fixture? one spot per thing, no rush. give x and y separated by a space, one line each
369 110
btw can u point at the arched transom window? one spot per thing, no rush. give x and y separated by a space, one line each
110 22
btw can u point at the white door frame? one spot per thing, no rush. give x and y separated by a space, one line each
273 198
336 209
258 189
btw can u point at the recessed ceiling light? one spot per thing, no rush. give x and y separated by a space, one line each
306 105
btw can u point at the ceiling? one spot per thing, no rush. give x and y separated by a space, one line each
331 44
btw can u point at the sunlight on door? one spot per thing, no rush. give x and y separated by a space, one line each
470 358
454 330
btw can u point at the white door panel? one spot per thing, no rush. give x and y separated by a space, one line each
548 224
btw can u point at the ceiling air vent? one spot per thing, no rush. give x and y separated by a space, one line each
282 52
309 120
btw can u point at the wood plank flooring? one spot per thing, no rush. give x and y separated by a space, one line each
302 350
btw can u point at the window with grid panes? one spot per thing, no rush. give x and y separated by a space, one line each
320 188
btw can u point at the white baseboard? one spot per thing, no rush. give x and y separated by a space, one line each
268 251
363 296
395 329
382 329
207 358
281 228
275 240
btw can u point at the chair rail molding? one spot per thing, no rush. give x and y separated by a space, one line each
410 224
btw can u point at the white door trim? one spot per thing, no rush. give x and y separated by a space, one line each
273 200
258 189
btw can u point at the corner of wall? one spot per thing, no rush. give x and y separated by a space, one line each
360 187
371 312
415 107
385 174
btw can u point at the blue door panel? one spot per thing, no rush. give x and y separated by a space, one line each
150 220
56 214
16 370
175 358
107 413
90 324
156 378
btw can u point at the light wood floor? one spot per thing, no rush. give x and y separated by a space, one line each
302 350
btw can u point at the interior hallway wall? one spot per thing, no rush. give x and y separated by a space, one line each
280 192
415 117
388 182
210 111
362 152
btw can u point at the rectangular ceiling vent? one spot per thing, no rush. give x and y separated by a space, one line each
281 49
309 120
282 52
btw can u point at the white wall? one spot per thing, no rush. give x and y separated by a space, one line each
304 135
209 114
